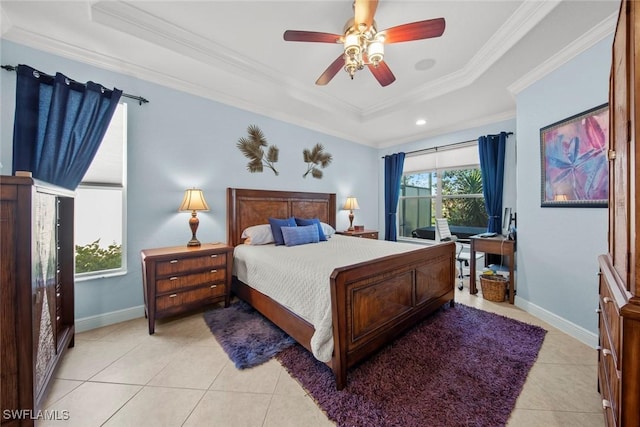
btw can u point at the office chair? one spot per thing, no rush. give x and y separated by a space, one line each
444 233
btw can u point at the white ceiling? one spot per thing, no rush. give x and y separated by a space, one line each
233 52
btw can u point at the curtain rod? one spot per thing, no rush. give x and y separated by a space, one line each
140 99
449 145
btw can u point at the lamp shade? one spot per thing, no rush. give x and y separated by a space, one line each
351 203
193 201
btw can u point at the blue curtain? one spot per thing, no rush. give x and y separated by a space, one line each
491 149
59 125
392 176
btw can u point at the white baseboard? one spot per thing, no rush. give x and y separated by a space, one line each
569 328
93 322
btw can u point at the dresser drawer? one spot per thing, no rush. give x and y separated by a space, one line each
178 299
609 395
608 369
610 321
177 282
184 265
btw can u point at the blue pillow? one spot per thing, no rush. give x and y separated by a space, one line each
312 221
294 236
276 223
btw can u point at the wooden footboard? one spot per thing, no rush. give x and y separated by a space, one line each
374 302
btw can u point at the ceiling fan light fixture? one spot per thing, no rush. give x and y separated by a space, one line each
375 52
351 65
363 45
352 46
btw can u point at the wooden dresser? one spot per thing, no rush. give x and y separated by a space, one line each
182 278
36 293
619 306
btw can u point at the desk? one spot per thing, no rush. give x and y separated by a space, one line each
498 245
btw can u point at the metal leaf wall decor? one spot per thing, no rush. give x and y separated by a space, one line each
253 149
314 158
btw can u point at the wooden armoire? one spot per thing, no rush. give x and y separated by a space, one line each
36 293
619 306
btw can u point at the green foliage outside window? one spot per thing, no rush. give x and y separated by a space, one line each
91 257
465 211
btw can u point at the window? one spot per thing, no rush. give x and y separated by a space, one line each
100 206
442 183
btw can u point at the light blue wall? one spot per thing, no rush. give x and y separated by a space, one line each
558 247
178 141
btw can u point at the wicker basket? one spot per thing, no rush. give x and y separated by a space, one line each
493 287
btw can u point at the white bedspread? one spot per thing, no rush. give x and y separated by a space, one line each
298 277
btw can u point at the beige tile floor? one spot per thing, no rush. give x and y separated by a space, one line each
121 376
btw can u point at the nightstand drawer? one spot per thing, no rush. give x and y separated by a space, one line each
371 235
183 265
179 299
366 234
174 283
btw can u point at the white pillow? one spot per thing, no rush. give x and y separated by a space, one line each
258 235
327 229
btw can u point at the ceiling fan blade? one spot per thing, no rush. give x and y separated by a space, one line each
311 36
331 71
382 73
414 31
364 10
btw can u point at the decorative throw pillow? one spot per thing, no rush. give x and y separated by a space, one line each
258 235
327 229
294 236
312 221
276 223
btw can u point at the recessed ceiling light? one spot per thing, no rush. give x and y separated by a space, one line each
421 122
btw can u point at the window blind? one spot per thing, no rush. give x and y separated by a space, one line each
108 164
461 156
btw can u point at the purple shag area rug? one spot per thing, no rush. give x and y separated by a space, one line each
459 367
248 338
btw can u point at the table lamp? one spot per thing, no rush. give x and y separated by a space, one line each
193 201
351 204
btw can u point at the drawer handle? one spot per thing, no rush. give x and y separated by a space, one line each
606 352
214 286
607 299
214 271
214 256
598 310
173 295
606 404
58 295
174 261
173 278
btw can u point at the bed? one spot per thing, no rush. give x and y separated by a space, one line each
371 302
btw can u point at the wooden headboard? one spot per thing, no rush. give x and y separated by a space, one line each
253 207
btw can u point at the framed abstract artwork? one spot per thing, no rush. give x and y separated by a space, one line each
573 151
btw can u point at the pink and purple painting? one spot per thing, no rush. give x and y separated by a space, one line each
575 172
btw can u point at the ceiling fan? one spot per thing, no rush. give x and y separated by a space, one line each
364 44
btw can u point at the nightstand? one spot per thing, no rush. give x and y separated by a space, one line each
367 234
181 278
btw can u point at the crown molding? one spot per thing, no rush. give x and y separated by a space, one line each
525 18
126 18
5 22
599 32
99 60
